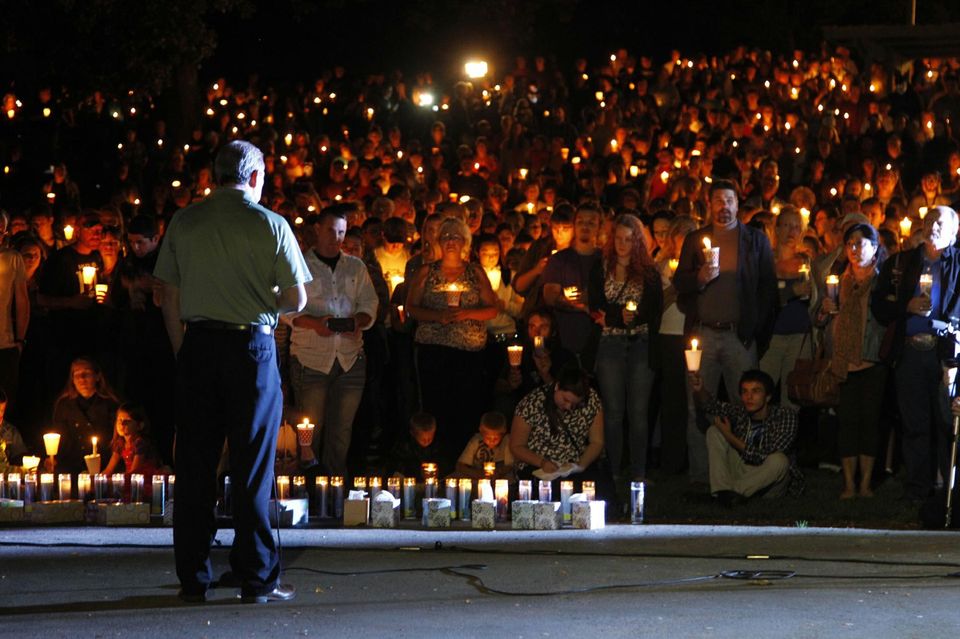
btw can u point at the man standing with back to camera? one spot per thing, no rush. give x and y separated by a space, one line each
229 267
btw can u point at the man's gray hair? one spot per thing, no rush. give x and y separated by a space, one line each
236 162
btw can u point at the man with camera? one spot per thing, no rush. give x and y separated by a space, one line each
327 365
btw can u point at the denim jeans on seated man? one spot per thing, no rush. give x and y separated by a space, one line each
332 399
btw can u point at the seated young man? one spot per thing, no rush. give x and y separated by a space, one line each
491 444
750 444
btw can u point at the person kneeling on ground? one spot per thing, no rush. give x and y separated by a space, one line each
750 444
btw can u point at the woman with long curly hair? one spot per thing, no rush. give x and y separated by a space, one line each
86 408
630 316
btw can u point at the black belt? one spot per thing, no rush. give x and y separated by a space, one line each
720 326
214 325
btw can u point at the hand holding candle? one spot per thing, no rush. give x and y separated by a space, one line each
926 284
833 291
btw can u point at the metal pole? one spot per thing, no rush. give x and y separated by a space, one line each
913 13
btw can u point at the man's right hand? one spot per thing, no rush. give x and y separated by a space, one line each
707 273
919 305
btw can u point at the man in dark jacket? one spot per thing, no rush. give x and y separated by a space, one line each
918 289
728 294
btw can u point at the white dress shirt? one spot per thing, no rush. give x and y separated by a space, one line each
343 292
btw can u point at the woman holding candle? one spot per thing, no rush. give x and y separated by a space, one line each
86 408
451 299
854 337
631 310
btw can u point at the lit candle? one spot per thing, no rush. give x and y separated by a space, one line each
590 490
484 490
99 486
833 287
664 176
65 485
136 488
409 498
805 215
804 272
631 306
117 481
30 462
429 470
545 491
299 487
905 225
923 212
283 487
711 254
376 486
525 489
401 314
88 275
673 264
395 280
463 507
564 153
305 432
515 355
51 441
321 493
84 486
495 277
566 489
94 439
171 486
572 293
523 173
337 484
926 284
634 170
157 497
100 291
393 486
13 485
46 487
538 344
489 469
502 493
360 483
693 356
453 292
68 233
430 487
451 494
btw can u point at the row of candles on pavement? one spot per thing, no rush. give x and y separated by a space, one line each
329 493
44 487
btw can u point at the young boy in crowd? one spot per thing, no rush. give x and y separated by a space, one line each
418 448
491 444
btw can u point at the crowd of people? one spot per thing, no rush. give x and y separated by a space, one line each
598 217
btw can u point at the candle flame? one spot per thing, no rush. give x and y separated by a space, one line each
694 343
707 244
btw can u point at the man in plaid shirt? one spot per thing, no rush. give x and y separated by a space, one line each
750 445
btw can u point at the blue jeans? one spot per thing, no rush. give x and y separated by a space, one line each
332 399
723 354
625 382
228 387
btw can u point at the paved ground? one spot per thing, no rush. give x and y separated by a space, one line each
98 582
